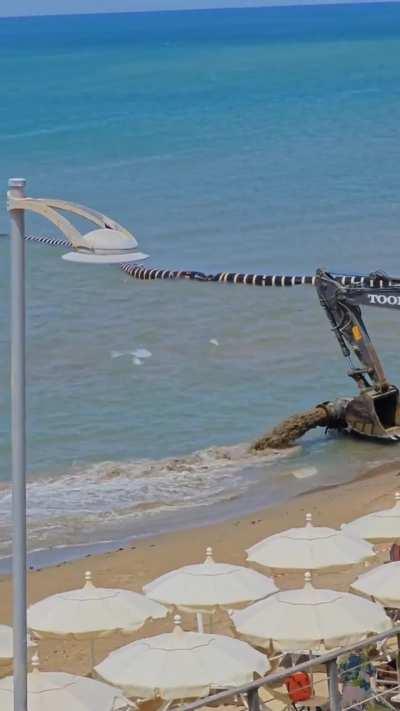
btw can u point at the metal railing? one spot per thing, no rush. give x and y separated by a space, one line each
329 660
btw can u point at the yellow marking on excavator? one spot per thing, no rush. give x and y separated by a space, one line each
357 335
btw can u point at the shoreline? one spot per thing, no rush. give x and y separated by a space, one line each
56 555
143 560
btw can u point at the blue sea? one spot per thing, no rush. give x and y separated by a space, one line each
257 140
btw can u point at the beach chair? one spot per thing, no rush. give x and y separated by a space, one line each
282 701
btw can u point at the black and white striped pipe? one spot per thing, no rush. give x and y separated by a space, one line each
266 280
48 241
146 273
279 280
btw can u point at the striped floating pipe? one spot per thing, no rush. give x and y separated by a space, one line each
266 280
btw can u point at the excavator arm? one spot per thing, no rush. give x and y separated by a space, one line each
376 411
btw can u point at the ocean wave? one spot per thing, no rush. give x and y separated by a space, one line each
304 472
109 496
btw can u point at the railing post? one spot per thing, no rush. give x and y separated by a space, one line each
253 700
335 702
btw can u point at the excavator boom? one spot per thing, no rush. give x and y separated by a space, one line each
376 410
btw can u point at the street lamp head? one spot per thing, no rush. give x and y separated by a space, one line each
106 246
110 243
16 182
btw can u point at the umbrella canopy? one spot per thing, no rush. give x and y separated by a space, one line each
382 584
209 585
379 526
6 642
6 649
54 690
309 548
92 612
310 619
181 665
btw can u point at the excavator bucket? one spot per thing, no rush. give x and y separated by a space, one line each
375 414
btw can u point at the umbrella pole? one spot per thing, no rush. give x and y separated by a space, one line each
200 623
165 706
312 690
92 656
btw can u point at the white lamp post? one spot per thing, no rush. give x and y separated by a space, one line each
109 244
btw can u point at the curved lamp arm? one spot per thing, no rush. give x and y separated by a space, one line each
88 213
48 208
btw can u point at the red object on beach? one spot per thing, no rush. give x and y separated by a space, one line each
299 687
395 552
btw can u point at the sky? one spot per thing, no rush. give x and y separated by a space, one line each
54 7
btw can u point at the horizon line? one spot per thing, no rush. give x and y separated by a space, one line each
273 4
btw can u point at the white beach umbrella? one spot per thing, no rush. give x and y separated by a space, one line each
6 649
310 619
181 665
379 526
92 612
6 642
206 586
310 548
65 692
381 584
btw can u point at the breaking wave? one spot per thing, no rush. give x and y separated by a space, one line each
106 499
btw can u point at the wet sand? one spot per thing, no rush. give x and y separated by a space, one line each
144 560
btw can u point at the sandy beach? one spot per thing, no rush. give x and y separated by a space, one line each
144 560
